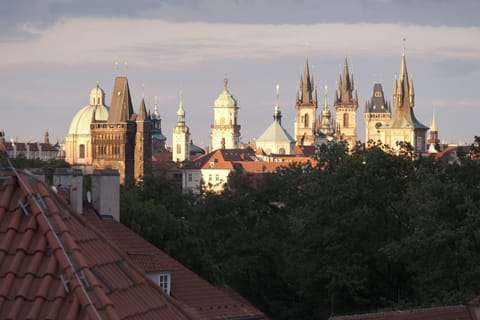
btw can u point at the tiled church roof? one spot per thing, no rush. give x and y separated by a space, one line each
54 265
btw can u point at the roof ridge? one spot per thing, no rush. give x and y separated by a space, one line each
53 239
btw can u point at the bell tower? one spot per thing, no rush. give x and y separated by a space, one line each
181 136
306 109
346 105
225 132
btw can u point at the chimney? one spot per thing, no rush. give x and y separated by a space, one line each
76 190
106 193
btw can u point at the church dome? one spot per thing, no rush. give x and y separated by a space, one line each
225 99
81 121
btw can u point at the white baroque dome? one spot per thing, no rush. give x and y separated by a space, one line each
81 122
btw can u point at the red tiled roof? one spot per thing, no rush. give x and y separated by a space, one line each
459 312
305 150
188 288
55 265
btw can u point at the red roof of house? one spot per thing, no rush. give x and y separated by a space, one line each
189 289
54 265
459 312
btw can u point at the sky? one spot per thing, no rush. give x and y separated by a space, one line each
53 52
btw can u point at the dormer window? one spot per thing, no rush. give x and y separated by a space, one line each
162 279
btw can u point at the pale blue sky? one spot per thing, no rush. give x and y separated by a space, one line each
54 51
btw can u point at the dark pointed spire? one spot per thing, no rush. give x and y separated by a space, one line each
121 107
306 87
142 111
345 85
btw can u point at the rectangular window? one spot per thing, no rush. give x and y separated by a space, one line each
162 279
217 177
81 153
190 177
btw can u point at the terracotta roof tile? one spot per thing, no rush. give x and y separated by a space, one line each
55 265
189 289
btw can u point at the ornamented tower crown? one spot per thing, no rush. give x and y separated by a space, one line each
306 109
378 112
225 132
181 136
346 105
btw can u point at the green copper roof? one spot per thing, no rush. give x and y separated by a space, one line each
275 133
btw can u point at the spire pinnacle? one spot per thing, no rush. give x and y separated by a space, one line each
277 114
225 83
325 103
433 126
180 107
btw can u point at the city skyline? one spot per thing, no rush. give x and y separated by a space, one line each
55 51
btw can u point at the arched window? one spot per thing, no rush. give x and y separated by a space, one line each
179 148
306 123
345 120
281 151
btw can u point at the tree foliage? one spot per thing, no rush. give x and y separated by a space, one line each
360 232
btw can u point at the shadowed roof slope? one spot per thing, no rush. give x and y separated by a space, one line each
54 265
199 296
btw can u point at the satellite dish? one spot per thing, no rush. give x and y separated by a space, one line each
89 197
54 189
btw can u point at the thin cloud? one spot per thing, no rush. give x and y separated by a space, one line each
164 45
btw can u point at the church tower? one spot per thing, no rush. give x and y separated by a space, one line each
325 132
113 141
433 141
143 144
404 126
306 109
346 105
378 112
158 139
180 136
225 132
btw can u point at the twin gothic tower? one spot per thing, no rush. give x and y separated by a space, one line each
308 128
381 124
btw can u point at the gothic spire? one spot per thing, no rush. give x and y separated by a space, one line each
277 114
433 126
306 85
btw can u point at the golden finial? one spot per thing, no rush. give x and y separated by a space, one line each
116 67
125 67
